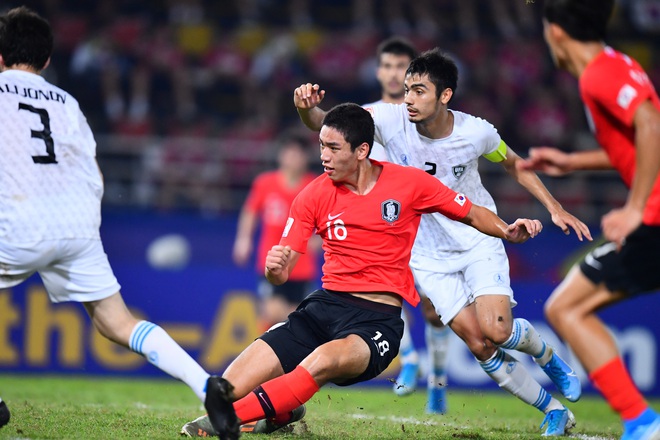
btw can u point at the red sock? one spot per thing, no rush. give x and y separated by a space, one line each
615 384
277 396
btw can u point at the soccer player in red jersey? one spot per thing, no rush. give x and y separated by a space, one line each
624 113
268 204
367 214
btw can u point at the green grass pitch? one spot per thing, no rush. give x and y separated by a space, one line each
99 408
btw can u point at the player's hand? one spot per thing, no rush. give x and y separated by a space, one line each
242 251
566 221
548 160
277 259
308 96
522 230
619 223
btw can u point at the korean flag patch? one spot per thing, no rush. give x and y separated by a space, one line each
460 199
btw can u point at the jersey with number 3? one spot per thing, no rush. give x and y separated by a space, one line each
613 86
367 239
50 184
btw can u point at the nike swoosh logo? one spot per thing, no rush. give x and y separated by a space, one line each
263 399
332 217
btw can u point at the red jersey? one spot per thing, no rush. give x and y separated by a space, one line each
270 199
367 238
613 86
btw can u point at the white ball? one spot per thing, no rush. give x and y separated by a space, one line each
171 251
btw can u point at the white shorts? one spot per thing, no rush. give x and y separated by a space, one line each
453 283
71 270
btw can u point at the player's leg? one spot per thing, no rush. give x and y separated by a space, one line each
255 365
510 374
406 381
83 274
571 310
519 334
114 321
443 297
487 275
437 343
356 339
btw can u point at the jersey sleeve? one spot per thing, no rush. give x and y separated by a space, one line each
618 90
387 121
300 225
489 143
434 196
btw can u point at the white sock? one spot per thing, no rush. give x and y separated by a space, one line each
511 376
526 339
162 351
407 349
437 344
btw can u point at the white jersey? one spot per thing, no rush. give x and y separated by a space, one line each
50 184
377 150
453 160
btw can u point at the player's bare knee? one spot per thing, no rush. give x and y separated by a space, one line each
499 333
554 312
482 349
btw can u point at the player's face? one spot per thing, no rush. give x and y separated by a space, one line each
391 72
420 99
339 162
293 159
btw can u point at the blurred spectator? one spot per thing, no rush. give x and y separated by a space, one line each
144 68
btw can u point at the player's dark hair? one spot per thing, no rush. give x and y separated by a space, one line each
396 46
353 122
583 20
25 38
292 140
440 68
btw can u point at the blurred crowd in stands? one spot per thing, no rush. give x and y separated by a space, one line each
225 71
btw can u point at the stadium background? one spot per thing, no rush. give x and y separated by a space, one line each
187 98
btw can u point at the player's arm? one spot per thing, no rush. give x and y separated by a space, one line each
531 182
280 262
556 163
647 146
487 222
621 222
306 98
247 223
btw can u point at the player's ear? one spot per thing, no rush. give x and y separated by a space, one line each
47 64
555 32
362 151
446 95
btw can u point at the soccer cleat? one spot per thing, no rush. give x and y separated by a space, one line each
4 413
200 427
563 377
437 400
266 426
220 408
406 383
559 421
649 431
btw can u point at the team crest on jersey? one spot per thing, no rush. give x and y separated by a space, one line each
390 210
458 170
